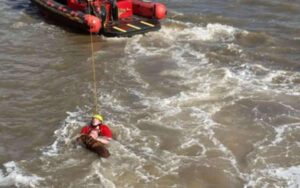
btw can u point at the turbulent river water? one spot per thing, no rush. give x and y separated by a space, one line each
211 100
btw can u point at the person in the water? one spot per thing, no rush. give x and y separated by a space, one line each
97 130
96 136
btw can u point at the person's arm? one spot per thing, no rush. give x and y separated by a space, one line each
104 140
77 138
83 131
106 135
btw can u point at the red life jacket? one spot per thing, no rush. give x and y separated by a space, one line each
104 130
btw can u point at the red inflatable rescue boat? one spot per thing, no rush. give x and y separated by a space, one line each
107 17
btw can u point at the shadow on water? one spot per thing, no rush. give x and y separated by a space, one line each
30 9
23 6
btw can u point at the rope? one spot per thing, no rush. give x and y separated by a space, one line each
93 67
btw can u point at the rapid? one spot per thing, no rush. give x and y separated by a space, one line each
210 100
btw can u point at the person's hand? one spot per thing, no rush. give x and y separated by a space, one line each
78 139
103 140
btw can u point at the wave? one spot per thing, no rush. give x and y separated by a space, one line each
160 133
13 175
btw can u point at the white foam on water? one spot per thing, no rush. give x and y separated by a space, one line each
19 25
205 81
207 87
131 71
235 48
124 161
194 70
65 134
50 30
113 39
280 139
204 78
291 175
275 177
256 78
97 172
194 142
177 39
192 32
281 130
212 32
13 175
173 14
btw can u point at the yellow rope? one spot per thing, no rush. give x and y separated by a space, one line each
93 67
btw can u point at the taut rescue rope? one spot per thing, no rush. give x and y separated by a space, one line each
95 109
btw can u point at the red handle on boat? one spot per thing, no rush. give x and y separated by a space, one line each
93 23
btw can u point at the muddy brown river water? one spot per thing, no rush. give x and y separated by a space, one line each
211 100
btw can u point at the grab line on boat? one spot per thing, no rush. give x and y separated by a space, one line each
133 26
119 29
146 23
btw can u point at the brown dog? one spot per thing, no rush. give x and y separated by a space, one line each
95 146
